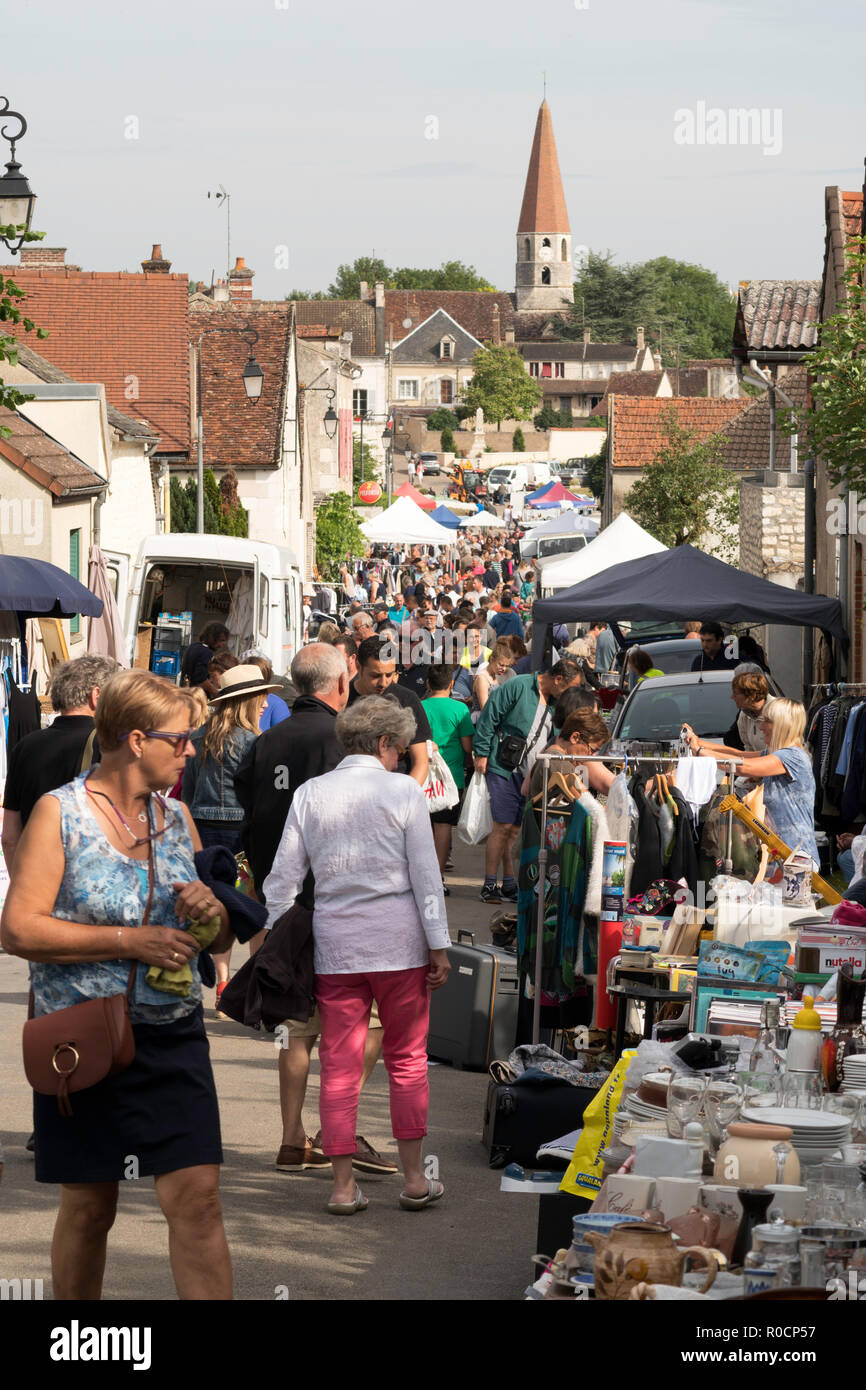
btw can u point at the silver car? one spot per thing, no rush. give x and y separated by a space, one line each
657 708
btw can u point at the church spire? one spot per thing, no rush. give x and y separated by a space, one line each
544 207
544 270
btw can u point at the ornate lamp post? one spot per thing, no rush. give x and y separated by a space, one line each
17 201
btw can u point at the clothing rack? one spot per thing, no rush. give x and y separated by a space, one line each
623 759
839 688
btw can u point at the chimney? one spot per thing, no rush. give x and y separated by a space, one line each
657 360
220 292
240 281
380 294
42 257
586 334
497 339
157 265
379 317
641 340
365 289
509 337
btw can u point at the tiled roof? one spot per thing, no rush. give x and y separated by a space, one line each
746 438
237 433
354 316
422 345
577 351
543 209
128 331
535 326
777 315
844 219
552 386
46 372
637 424
634 383
472 309
40 456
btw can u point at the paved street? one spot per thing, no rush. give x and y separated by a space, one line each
475 1245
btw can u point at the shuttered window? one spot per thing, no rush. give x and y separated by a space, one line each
75 571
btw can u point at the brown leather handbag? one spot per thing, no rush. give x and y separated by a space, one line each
72 1049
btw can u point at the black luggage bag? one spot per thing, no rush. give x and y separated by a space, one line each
473 1017
519 1118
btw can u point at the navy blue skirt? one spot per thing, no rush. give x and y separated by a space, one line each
159 1115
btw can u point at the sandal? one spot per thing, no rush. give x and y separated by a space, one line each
358 1203
435 1190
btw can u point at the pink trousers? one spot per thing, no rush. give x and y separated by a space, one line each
344 1005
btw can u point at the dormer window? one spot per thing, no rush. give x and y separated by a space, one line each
446 348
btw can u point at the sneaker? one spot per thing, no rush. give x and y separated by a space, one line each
366 1160
219 994
508 895
292 1159
490 894
449 865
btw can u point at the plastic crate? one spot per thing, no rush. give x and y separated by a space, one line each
166 664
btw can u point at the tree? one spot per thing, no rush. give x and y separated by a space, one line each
307 294
518 443
367 473
681 305
10 293
501 385
347 281
837 425
442 419
447 443
337 534
550 419
686 492
234 518
451 275
223 513
596 472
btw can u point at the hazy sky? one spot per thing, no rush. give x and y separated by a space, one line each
315 118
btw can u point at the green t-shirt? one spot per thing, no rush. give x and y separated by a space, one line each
450 721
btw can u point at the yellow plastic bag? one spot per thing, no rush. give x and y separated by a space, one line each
584 1174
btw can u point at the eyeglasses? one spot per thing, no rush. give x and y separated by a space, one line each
179 740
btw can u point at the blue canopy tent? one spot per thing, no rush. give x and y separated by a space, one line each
36 589
539 492
445 517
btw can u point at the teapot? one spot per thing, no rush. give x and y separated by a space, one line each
637 1252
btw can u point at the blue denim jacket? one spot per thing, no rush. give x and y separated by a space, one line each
209 786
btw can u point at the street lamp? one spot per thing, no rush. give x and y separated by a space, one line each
16 199
253 379
388 444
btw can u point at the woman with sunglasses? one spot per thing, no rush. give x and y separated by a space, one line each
105 877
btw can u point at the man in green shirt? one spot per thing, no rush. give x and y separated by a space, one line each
451 729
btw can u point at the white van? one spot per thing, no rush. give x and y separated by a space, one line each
517 477
255 589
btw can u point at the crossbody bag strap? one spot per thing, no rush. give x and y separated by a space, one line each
144 921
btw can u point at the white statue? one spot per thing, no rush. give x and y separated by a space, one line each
479 421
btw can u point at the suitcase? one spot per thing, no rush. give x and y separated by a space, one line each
518 1119
473 1017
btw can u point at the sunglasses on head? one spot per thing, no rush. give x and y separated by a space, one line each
179 740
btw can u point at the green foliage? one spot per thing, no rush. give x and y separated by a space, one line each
837 426
596 473
501 385
10 293
686 492
369 472
447 443
442 419
678 303
518 443
337 534
223 513
308 294
450 275
182 507
550 419
462 412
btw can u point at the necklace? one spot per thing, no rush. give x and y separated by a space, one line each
144 816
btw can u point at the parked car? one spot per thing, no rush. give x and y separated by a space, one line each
430 464
657 708
671 655
570 472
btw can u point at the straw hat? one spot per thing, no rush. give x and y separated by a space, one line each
240 682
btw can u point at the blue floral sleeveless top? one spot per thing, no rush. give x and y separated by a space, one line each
100 887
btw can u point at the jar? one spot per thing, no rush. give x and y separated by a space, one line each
748 1159
848 1037
776 1245
844 1248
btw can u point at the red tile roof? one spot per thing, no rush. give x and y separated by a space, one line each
355 316
40 456
637 423
746 439
543 209
237 433
844 220
777 315
472 309
127 331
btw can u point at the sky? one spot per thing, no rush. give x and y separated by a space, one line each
405 130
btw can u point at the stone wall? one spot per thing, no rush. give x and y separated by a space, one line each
772 524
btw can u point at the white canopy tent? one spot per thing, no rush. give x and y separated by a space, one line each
482 520
405 521
622 540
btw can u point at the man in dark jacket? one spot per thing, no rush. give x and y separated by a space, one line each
279 762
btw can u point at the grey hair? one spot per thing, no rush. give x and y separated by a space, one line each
318 667
360 727
749 668
73 681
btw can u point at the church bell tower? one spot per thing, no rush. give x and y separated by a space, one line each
545 275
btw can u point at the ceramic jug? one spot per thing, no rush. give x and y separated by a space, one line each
748 1157
637 1252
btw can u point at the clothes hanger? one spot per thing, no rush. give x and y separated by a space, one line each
556 782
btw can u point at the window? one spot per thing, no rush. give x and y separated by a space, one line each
75 571
546 241
533 369
446 347
264 604
564 249
359 403
527 251
545 275
446 391
560 369
546 369
407 388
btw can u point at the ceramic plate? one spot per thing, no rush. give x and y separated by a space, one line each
800 1121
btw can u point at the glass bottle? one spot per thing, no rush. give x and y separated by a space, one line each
765 1053
848 1036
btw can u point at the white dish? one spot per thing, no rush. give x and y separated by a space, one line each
800 1121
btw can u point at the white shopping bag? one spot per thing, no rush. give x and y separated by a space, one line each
440 788
476 818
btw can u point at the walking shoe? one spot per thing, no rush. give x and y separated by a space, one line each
219 994
509 895
449 865
366 1160
292 1159
490 894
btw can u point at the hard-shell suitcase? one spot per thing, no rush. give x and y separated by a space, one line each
518 1119
473 1017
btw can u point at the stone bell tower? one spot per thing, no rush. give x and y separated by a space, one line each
545 275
